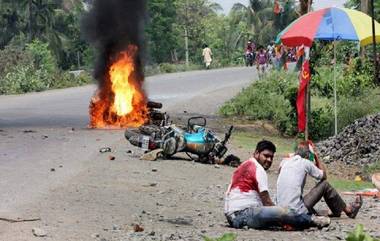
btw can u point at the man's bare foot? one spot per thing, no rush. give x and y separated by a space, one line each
355 207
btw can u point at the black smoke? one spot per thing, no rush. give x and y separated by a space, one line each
110 26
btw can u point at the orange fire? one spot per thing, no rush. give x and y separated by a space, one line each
120 102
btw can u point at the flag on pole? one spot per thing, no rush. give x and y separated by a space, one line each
301 96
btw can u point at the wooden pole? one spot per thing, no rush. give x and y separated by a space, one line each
335 95
307 109
307 97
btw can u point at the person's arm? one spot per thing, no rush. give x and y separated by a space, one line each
321 166
317 170
262 181
265 199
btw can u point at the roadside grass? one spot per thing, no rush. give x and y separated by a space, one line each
225 237
349 185
248 141
368 170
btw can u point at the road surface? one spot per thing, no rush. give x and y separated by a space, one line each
51 168
44 140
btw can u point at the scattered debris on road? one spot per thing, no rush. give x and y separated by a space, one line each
152 155
29 131
105 149
179 221
137 228
39 232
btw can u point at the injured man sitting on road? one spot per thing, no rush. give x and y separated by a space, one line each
291 182
247 200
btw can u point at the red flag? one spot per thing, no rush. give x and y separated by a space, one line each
301 96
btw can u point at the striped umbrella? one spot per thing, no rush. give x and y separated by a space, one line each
330 24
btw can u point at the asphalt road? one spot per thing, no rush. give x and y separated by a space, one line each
44 133
69 107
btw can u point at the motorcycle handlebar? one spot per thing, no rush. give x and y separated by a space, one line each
228 135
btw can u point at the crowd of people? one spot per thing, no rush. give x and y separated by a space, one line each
274 56
277 56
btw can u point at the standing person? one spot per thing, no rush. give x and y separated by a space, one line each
291 182
270 51
249 53
261 61
207 56
247 200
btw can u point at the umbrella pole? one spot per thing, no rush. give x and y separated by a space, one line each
335 98
307 110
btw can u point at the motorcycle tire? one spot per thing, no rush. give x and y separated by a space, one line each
130 132
169 147
149 129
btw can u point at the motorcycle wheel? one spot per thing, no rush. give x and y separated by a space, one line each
149 129
130 132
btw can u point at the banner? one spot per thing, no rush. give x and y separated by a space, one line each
301 96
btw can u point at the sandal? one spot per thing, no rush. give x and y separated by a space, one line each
355 206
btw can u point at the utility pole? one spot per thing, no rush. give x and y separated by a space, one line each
374 44
187 34
364 9
30 12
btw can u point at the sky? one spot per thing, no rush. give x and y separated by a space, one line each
318 4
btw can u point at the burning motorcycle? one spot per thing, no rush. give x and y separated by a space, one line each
194 140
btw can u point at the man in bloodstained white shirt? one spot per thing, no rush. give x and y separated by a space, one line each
247 200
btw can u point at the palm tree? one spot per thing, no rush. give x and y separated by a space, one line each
259 19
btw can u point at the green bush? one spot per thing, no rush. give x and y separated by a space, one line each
24 78
321 123
268 99
43 58
11 56
34 69
351 80
274 98
352 108
169 68
66 79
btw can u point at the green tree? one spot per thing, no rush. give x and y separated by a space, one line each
260 19
161 35
192 16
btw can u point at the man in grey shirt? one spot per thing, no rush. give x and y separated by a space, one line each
291 182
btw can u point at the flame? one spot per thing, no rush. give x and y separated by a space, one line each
120 102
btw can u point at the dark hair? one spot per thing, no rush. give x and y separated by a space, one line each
204 46
265 145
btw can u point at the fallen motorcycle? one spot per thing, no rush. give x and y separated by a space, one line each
195 139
